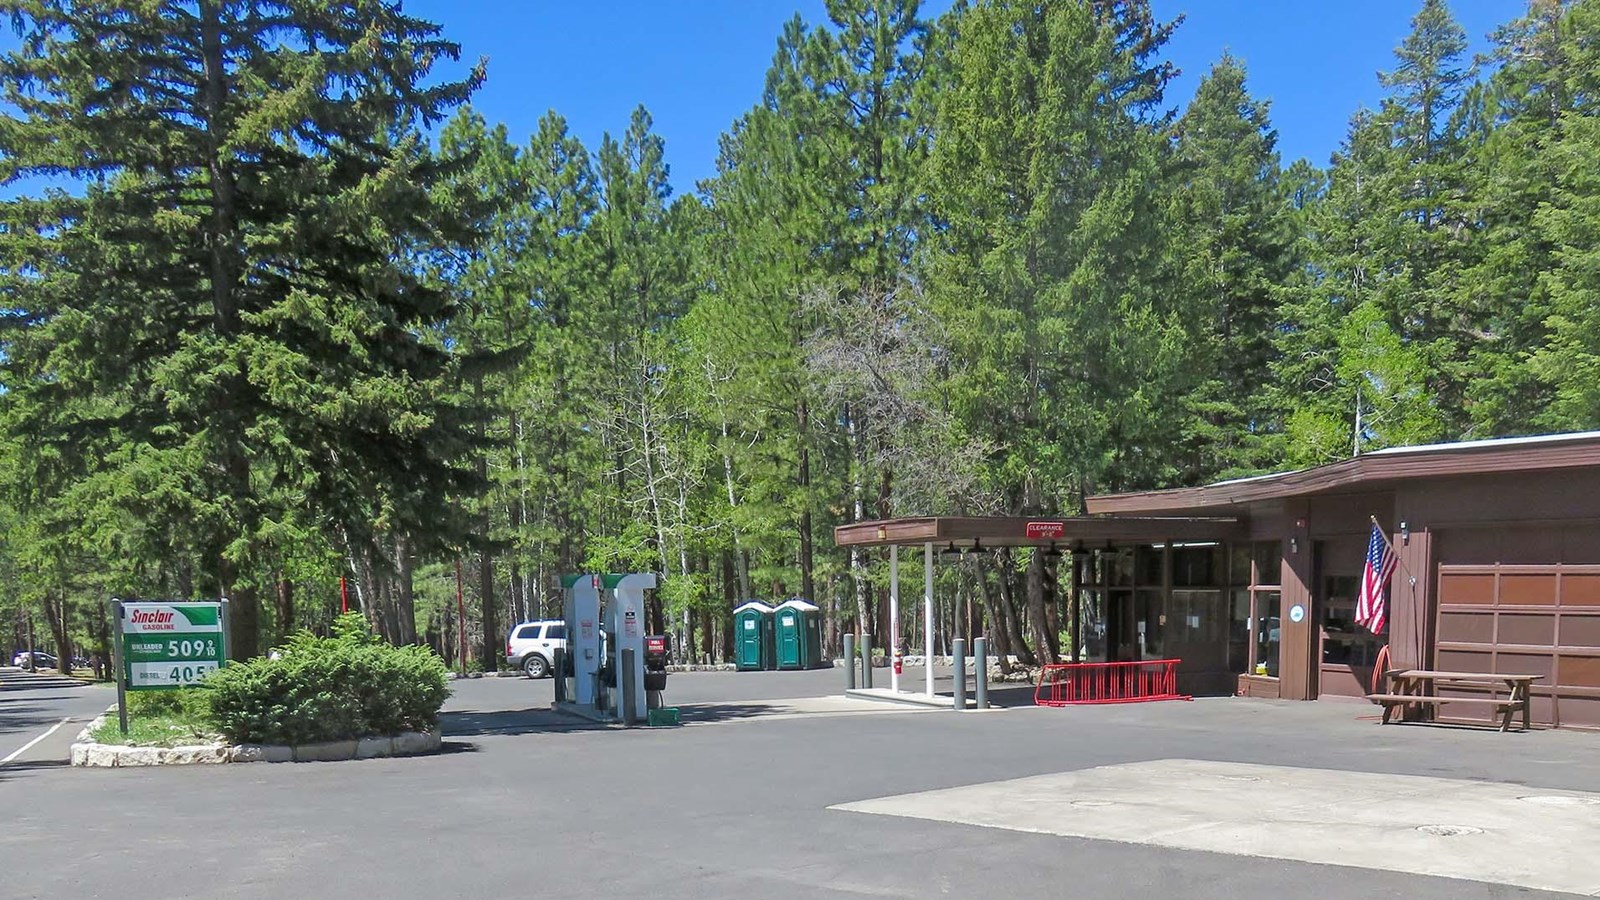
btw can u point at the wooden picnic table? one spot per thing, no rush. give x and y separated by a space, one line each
1409 687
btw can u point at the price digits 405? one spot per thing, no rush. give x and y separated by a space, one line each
186 674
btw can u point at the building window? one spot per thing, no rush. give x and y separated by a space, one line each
1149 624
1268 630
1345 643
1255 570
1198 566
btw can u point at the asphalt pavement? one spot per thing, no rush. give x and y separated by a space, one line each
525 801
40 714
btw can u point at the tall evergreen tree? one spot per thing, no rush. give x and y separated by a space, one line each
1386 331
227 305
1240 264
1529 102
1569 360
1047 167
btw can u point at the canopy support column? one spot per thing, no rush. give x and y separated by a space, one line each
927 613
893 645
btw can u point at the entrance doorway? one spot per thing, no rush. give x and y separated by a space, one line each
1346 651
1187 601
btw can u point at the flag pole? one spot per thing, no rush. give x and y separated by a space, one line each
1411 576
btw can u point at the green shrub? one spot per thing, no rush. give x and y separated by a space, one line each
189 703
328 689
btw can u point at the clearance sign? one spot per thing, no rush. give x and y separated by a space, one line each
170 645
1039 531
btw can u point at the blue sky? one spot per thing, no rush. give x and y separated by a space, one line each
697 64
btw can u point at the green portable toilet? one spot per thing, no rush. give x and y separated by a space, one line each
752 637
797 635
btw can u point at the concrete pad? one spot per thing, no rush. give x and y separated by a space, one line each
885 695
1473 830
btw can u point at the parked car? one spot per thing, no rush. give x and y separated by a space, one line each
35 660
531 646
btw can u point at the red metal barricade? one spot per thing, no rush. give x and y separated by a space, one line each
1066 684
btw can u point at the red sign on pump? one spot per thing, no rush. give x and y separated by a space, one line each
1039 531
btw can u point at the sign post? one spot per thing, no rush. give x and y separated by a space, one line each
116 664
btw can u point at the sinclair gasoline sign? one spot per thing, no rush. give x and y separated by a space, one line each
170 645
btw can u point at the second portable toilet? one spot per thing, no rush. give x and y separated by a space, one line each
797 635
752 637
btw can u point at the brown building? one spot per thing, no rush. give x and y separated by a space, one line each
1499 547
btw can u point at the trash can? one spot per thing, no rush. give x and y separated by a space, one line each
752 637
797 635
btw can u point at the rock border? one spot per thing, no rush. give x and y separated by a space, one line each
86 752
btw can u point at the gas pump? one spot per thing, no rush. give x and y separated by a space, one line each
614 671
655 669
626 636
581 611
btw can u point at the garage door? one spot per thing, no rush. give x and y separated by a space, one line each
1531 620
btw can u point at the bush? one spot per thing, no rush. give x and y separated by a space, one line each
328 689
188 703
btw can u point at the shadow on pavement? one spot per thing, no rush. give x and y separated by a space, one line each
10 770
1009 695
35 683
18 714
730 712
536 720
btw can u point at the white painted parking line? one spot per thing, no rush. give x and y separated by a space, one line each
29 745
1480 831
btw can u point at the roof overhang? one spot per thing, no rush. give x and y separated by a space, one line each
1374 470
966 532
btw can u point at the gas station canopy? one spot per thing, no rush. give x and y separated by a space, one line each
978 532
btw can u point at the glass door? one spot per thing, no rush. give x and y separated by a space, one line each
1347 650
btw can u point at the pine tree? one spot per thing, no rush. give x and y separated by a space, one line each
1430 113
1386 328
1569 360
228 301
1528 99
1240 265
1049 269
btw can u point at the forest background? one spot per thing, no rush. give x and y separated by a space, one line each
289 310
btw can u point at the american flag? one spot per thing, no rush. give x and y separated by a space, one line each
1371 607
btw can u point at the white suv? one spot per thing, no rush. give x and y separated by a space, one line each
532 646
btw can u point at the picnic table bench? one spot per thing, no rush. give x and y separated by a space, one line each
1407 686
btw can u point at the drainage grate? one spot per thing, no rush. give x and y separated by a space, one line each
1560 800
1449 830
